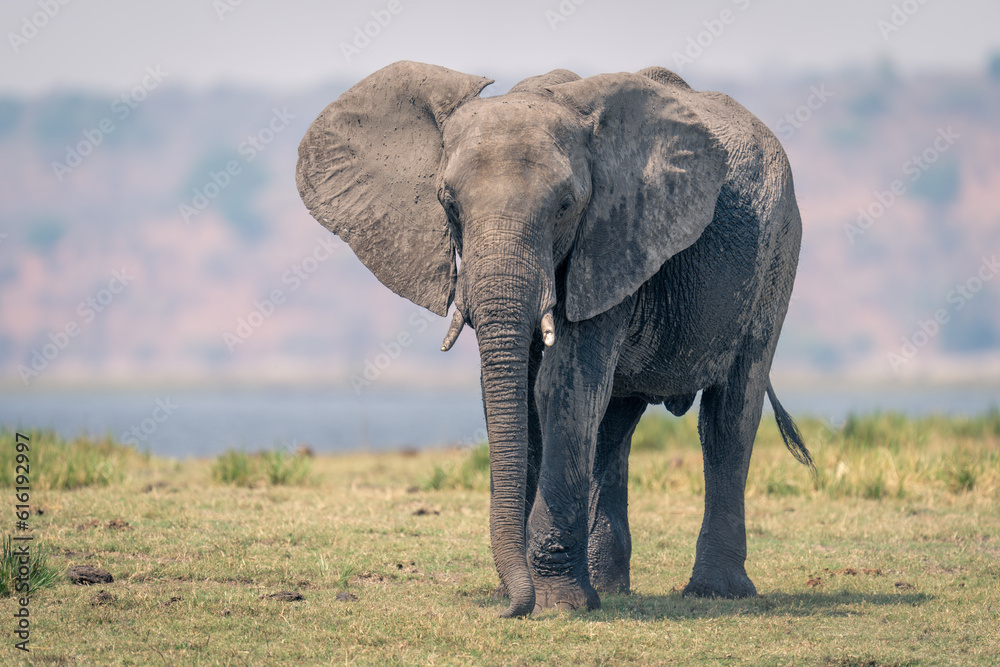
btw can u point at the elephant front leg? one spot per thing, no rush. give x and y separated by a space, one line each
557 554
728 423
609 546
572 391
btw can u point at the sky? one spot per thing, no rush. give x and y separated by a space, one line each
107 45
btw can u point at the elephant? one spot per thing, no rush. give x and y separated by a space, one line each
615 241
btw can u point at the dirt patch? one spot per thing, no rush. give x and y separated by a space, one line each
102 598
904 586
816 579
407 568
114 524
425 511
344 596
88 575
371 578
172 600
283 596
149 488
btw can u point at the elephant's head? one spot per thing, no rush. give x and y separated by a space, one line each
599 180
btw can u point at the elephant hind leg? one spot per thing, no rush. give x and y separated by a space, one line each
609 546
730 415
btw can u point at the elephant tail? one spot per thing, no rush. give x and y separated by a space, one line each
789 431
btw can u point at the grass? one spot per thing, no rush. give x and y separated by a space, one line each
471 472
58 463
40 573
889 556
275 467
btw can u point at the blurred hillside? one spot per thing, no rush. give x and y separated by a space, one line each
162 239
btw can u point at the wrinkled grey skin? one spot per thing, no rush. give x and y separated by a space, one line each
659 227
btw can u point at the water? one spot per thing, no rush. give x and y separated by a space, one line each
202 423
205 423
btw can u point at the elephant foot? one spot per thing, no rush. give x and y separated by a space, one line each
720 584
608 561
565 596
610 580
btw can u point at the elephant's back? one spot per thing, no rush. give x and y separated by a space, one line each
758 166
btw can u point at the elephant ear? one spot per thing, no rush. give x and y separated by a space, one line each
656 175
367 171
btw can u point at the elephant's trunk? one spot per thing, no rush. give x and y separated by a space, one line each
505 289
503 348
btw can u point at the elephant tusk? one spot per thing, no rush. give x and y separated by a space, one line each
548 329
457 322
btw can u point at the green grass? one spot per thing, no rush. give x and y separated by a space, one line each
234 468
40 573
888 556
470 472
60 463
275 467
872 456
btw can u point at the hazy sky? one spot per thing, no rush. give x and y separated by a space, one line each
107 44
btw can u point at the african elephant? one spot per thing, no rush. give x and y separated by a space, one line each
624 241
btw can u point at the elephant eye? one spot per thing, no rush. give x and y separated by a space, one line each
451 211
564 205
450 208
